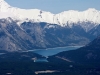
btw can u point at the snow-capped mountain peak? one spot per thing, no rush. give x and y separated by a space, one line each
4 6
91 10
36 15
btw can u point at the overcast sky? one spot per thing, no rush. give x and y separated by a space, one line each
56 6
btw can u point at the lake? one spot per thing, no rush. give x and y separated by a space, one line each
52 51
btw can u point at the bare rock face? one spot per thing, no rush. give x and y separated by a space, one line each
12 37
29 35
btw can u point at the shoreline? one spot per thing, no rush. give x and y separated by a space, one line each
54 48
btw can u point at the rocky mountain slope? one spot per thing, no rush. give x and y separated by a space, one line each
22 29
37 35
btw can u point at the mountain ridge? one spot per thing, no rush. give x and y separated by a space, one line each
36 15
36 29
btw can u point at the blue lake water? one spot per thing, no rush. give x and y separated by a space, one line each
52 51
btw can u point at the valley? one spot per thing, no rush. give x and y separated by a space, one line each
38 42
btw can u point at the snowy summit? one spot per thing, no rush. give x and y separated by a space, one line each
35 15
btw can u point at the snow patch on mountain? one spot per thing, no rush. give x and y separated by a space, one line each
5 15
